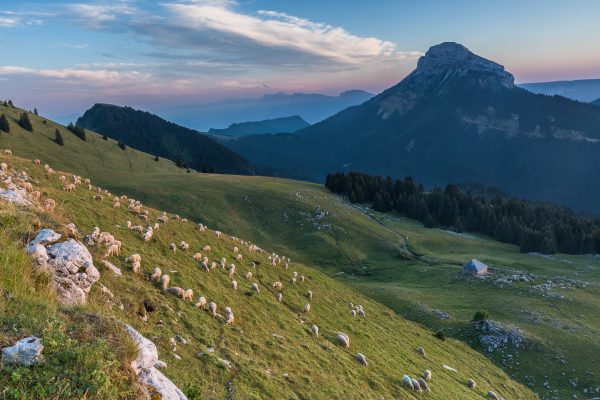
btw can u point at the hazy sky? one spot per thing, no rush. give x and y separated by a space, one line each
63 56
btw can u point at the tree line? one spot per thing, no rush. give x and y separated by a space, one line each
534 227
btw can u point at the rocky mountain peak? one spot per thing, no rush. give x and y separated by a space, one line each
449 56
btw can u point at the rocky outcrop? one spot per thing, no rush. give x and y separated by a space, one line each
17 195
27 351
496 335
69 262
145 367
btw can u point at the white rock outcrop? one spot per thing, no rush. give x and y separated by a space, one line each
145 367
16 195
27 351
69 262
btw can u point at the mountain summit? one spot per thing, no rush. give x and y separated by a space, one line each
456 118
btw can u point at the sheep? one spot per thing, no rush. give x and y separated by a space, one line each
206 249
306 308
416 386
7 152
156 272
50 171
176 217
231 270
421 351
148 234
164 282
360 357
301 278
309 294
36 194
135 260
234 285
239 257
253 265
213 265
235 250
255 288
353 313
46 167
471 383
197 256
188 295
184 246
112 249
408 382
423 384
248 276
361 312
294 274
277 285
99 198
116 204
293 281
201 302
69 187
218 233
177 291
427 375
62 178
204 266
173 247
36 161
3 168
343 339
492 395
87 182
279 297
201 228
49 204
315 330
229 316
212 308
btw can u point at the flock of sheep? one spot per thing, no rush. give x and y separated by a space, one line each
112 248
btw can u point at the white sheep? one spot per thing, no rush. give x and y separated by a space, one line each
156 273
206 249
301 278
148 234
229 317
360 357
248 276
255 287
231 270
212 308
235 250
309 294
353 313
218 233
234 285
7 152
164 282
112 250
315 330
135 261
173 247
239 257
3 168
416 386
493 395
197 256
343 339
116 204
201 302
184 246
36 161
306 308
204 266
188 295
293 281
361 312
277 285
279 297
471 383
177 291
421 351
295 274
427 375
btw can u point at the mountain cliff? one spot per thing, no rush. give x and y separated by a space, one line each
456 118
276 125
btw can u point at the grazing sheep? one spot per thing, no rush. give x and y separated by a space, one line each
99 198
36 161
177 291
235 250
234 285
279 297
231 270
471 383
201 302
135 261
408 382
309 294
69 187
301 278
361 312
206 249
315 330
112 250
293 281
306 308
164 282
184 246
156 272
277 285
212 308
213 265
239 257
201 228
218 233
353 313
423 384
197 256
88 182
7 152
360 357
62 178
204 266
255 288
421 352
493 395
248 276
427 374
148 234
3 168
343 339
188 295
294 274
173 247
416 385
36 194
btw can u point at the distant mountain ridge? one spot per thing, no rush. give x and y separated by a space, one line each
312 107
276 125
152 134
456 118
596 102
585 90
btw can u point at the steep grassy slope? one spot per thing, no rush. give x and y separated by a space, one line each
270 349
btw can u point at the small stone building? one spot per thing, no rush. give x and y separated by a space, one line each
476 267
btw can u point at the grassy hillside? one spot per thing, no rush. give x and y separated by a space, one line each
394 260
270 350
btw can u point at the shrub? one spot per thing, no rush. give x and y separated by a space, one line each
155 158
440 335
58 138
77 131
104 137
481 315
122 145
4 125
25 122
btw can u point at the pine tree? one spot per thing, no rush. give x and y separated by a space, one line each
155 158
25 122
10 103
35 111
4 125
104 137
122 145
58 138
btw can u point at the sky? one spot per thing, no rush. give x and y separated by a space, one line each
63 56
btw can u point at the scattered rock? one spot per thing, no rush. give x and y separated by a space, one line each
27 351
16 195
498 335
144 367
